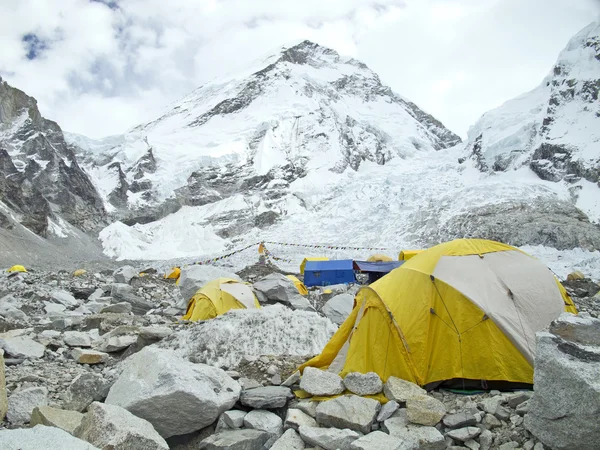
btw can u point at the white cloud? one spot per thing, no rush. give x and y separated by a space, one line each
101 70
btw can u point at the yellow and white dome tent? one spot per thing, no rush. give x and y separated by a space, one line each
465 310
219 296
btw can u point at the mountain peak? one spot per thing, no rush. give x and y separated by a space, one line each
308 52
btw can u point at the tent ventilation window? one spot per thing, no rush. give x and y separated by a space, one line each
485 317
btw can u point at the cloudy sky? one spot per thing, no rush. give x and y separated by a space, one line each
99 67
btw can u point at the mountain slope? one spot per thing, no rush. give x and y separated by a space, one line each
554 129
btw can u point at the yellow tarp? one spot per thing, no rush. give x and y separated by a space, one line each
299 285
413 326
17 268
405 255
378 257
79 272
316 258
174 273
211 301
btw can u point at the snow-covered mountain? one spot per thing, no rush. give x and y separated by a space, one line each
555 128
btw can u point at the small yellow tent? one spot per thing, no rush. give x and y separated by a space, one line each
299 285
17 268
79 272
405 255
174 273
219 296
465 310
379 258
316 258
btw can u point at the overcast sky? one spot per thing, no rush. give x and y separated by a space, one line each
99 67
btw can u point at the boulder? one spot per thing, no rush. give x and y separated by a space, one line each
77 339
85 389
292 379
387 410
277 288
349 411
425 410
21 404
117 339
124 293
124 274
567 390
295 419
3 393
378 440
64 298
416 436
319 382
308 406
459 420
267 397
329 438
22 347
155 333
54 308
260 419
235 440
338 308
117 308
290 440
515 400
40 437
194 277
110 426
401 390
396 422
54 417
464 434
234 418
174 395
363 384
86 356
577 329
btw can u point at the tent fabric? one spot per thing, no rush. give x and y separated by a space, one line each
219 296
79 272
466 309
299 285
405 255
17 268
175 273
325 273
315 258
378 257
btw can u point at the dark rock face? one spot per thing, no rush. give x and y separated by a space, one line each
39 173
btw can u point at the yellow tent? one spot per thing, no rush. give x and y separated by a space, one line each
17 268
174 273
465 310
79 272
299 285
379 258
316 258
219 296
405 255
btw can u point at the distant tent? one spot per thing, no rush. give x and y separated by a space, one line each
219 296
173 274
378 257
405 255
299 285
376 270
463 313
79 272
326 273
17 268
315 258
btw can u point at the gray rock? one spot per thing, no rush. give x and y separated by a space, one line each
363 384
485 440
85 389
259 419
567 393
124 293
459 420
401 390
77 339
22 403
523 408
509 446
117 308
40 437
378 440
114 341
515 400
266 397
419 437
194 277
277 288
64 298
290 440
296 418
338 308
234 418
110 426
22 347
424 410
387 410
54 417
174 395
464 434
292 379
124 274
11 312
329 438
349 411
235 440
396 422
155 333
490 421
86 356
3 393
502 413
319 382
308 406
248 383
